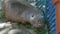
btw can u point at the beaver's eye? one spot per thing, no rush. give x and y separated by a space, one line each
32 15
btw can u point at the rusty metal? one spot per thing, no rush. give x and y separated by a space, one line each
57 4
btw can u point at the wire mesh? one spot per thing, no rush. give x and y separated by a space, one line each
51 17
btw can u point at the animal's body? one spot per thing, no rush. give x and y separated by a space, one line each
20 11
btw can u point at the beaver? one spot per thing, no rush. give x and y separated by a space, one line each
20 11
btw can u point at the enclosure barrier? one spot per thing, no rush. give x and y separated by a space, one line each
57 4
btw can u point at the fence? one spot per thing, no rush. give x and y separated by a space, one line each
51 17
